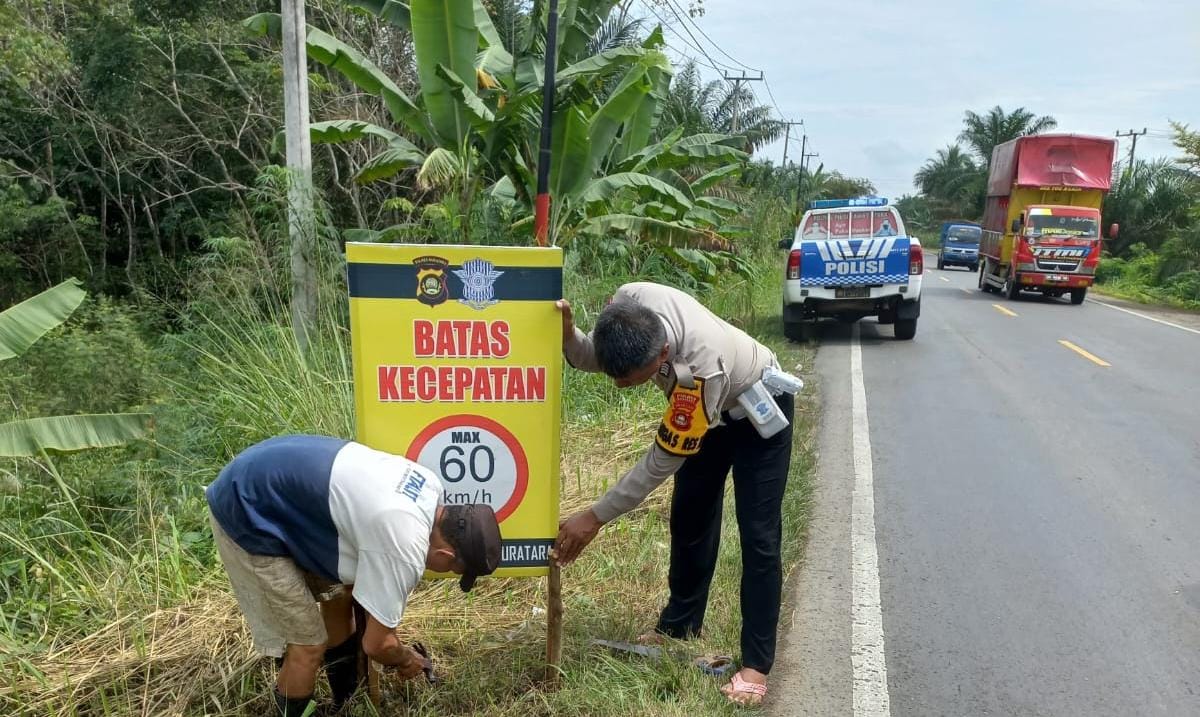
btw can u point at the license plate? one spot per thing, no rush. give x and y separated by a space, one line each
852 292
1056 277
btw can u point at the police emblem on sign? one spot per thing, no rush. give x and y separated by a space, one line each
477 276
431 279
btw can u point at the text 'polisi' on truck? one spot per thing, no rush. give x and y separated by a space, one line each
852 258
1041 223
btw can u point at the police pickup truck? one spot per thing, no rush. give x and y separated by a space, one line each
851 258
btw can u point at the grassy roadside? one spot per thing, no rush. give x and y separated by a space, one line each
115 605
1141 296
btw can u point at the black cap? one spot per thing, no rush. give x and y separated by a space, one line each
474 534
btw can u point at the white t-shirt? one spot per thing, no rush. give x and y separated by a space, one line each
383 506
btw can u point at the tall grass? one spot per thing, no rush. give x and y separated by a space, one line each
123 609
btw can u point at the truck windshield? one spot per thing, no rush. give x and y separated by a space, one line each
1049 225
967 235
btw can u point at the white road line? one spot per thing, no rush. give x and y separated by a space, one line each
1143 316
943 278
866 613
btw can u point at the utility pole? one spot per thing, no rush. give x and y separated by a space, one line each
787 136
1132 147
301 221
800 175
737 85
804 160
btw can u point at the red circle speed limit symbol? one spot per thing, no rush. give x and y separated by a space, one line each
478 460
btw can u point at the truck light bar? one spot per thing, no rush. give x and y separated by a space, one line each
841 203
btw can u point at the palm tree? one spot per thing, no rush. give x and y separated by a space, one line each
983 132
712 106
952 182
1152 201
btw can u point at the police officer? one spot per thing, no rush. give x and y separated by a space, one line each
651 332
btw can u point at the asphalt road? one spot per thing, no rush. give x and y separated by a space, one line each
1036 514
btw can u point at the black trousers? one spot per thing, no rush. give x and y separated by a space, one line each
760 470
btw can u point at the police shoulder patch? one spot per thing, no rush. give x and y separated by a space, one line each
685 422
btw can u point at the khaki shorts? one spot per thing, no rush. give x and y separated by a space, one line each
278 598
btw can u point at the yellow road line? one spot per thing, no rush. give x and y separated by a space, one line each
943 278
1089 356
1001 309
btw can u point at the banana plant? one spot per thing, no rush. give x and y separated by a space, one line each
475 122
23 325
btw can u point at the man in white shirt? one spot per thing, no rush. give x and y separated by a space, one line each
308 525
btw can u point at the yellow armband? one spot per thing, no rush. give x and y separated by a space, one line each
685 422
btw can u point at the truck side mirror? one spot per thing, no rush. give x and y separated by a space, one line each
1113 229
1016 226
785 243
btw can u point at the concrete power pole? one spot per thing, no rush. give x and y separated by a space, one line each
1132 147
301 221
787 136
737 85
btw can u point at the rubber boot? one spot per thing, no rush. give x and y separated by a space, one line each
341 669
291 706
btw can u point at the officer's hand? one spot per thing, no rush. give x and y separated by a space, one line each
568 320
574 534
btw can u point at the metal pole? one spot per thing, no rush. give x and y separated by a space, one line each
301 223
541 210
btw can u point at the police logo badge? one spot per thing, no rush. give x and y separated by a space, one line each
477 276
431 280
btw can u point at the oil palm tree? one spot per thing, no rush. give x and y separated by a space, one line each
716 107
952 182
983 132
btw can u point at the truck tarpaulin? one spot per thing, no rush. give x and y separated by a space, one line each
1063 160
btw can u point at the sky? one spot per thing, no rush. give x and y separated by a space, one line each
882 84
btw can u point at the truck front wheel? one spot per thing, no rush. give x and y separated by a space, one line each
906 329
1078 295
1011 289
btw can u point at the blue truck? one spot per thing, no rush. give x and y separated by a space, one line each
958 245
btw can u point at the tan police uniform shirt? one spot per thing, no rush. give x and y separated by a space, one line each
708 365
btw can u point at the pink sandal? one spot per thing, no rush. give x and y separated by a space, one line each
739 686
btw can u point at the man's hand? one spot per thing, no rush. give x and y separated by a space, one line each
413 666
574 534
568 320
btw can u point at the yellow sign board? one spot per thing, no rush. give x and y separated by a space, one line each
458 365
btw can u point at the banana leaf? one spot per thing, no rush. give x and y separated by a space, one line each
444 33
605 188
31 436
22 325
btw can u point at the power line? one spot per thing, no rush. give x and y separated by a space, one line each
688 19
694 44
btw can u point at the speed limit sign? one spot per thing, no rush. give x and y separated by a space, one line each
478 460
458 366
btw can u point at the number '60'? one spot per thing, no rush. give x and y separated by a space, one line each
481 464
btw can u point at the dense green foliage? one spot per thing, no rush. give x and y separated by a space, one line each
140 151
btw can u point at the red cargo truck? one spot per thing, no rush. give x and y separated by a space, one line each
1041 223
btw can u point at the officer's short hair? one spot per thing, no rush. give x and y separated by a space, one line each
627 336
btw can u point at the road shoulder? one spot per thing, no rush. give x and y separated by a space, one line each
813 670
